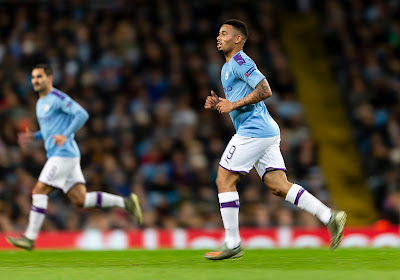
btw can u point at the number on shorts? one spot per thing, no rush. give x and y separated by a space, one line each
230 152
52 172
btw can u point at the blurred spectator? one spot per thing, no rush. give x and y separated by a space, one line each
362 38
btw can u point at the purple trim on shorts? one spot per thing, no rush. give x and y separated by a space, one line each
98 202
301 191
38 210
268 169
230 204
234 170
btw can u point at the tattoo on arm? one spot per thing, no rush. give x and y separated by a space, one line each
261 92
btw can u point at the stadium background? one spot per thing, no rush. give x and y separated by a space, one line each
142 70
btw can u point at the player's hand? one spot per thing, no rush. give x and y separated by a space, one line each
224 106
59 139
211 101
24 138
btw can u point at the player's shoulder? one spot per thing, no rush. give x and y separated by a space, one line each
58 95
242 59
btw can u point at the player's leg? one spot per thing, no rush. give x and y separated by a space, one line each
271 168
78 196
277 182
38 212
238 159
333 219
229 207
36 217
76 191
53 175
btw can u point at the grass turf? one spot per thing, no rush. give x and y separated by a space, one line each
189 264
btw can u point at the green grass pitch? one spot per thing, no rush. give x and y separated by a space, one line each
278 264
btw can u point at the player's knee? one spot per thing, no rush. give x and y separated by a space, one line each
278 185
224 185
78 201
77 195
277 190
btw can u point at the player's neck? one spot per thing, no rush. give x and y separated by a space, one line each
43 93
230 54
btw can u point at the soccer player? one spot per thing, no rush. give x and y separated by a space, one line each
256 143
59 118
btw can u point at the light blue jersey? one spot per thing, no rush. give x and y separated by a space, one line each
57 114
239 77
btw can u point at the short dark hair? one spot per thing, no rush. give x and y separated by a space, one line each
47 68
240 25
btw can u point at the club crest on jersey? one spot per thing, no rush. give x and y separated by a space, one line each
226 75
46 108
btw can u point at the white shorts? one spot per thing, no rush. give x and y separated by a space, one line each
242 153
62 173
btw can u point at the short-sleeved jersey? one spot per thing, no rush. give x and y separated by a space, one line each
239 77
55 112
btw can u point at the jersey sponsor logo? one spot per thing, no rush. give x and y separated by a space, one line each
226 75
46 108
239 59
248 73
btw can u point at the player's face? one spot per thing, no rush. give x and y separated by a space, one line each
226 38
40 81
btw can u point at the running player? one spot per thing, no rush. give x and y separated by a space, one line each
255 144
59 118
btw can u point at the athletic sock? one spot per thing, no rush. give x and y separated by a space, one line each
103 200
36 215
229 206
306 201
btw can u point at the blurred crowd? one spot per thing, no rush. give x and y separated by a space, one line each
363 42
142 69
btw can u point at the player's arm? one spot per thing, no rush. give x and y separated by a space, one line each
261 92
211 101
79 117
